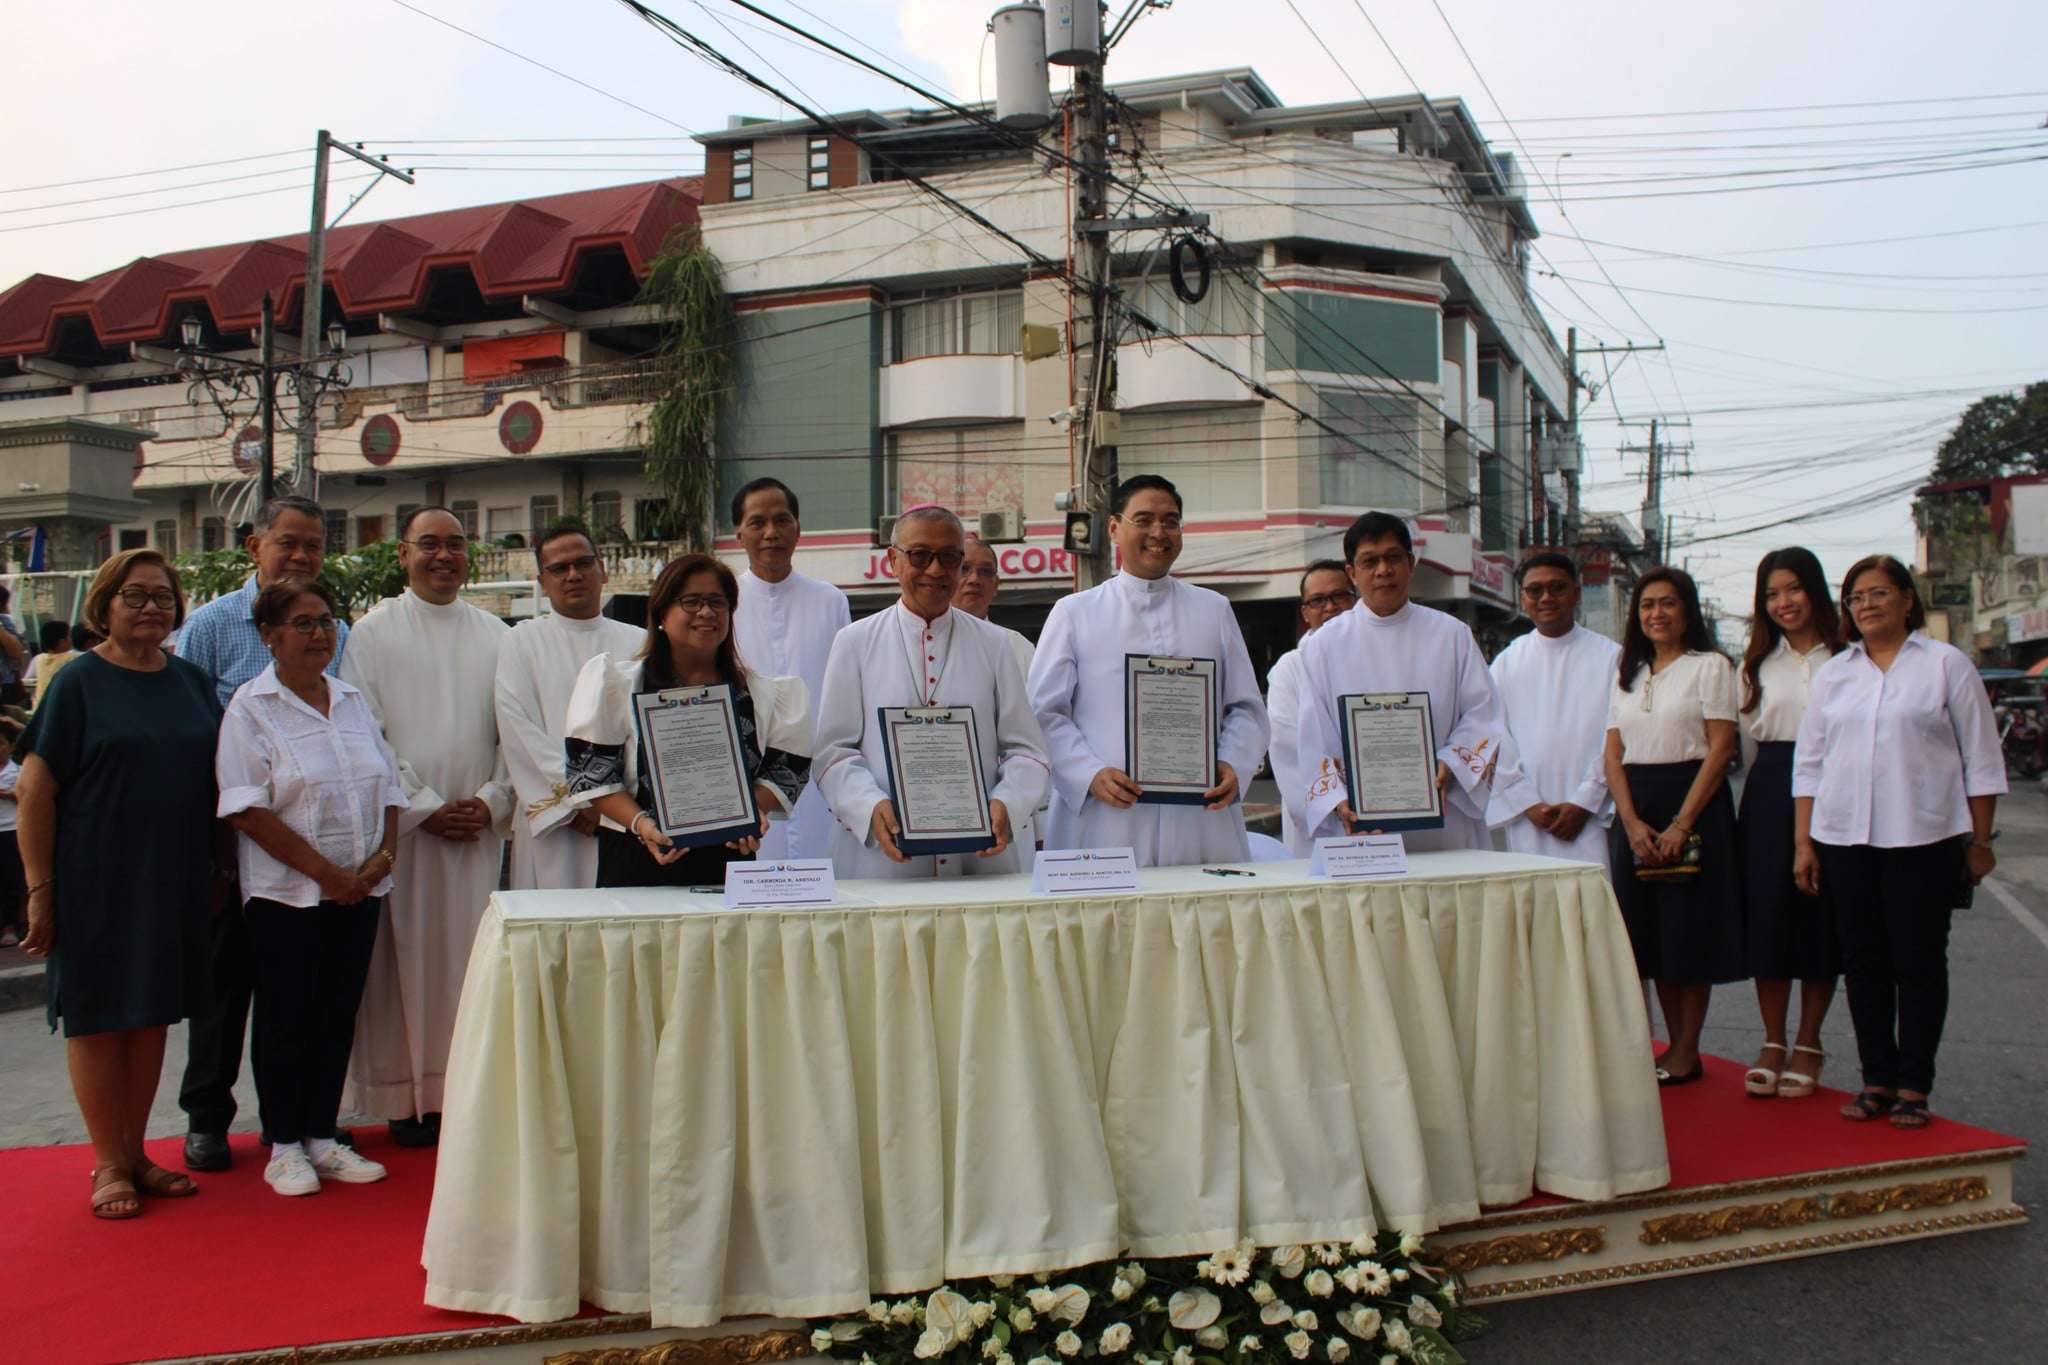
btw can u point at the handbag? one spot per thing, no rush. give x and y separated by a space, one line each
1688 864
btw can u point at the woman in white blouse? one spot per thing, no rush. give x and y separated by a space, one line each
311 788
689 644
1895 781
1792 633
1670 738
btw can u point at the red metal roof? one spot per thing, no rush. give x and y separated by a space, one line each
529 246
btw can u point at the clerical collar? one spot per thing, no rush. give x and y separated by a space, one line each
1556 642
1373 618
1150 586
433 608
938 622
579 623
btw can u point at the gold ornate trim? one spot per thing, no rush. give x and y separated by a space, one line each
755 1348
1697 1225
1708 1260
1907 1198
1553 1244
478 1339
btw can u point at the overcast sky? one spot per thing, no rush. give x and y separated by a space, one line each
1814 377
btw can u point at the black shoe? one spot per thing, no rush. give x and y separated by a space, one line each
414 1132
344 1137
207 1152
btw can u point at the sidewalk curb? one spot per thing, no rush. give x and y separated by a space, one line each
21 988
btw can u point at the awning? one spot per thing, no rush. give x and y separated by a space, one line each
499 356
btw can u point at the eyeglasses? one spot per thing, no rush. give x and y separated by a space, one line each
987 571
434 545
135 599
1871 597
693 603
1371 563
306 625
1145 521
1553 587
1327 601
580 564
921 558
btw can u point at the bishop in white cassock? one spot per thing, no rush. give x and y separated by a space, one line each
1325 593
554 845
1077 689
427 663
784 626
922 652
1390 644
1553 685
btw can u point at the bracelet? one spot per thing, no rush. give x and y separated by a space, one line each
1980 843
40 885
634 828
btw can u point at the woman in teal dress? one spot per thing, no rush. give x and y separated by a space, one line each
117 841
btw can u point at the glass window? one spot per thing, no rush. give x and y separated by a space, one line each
542 513
213 534
605 513
465 512
134 540
984 322
651 519
820 164
743 171
1375 462
167 538
337 532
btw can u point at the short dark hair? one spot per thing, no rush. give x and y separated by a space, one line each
1139 483
274 601
53 634
1319 566
269 512
1372 526
1902 579
1548 559
764 484
555 530
405 527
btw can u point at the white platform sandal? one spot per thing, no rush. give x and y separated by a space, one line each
1761 1082
1796 1085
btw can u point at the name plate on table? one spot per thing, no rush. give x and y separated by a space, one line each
1170 727
1390 760
691 739
1076 871
1359 855
935 779
798 882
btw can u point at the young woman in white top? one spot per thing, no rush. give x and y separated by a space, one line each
1792 633
1670 738
1895 781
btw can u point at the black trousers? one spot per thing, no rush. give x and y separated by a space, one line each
310 967
1892 912
213 1047
13 889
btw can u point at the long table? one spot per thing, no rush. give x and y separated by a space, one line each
658 1105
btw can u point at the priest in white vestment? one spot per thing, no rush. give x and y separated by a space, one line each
921 652
1388 643
427 662
554 844
1554 683
784 627
1077 689
1325 592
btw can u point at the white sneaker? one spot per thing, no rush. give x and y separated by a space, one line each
350 1168
290 1173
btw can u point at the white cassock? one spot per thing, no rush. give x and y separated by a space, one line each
897 658
1283 714
537 670
1554 695
1077 689
786 629
1416 649
1025 829
429 673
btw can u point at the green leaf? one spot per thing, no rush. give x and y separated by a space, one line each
1002 1331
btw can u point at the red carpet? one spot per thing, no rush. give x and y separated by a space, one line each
238 1268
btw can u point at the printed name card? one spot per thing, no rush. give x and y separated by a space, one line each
1075 871
796 882
1360 855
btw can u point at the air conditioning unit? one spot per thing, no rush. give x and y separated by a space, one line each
1006 523
1560 452
885 530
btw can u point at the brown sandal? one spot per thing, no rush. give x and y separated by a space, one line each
158 1183
111 1186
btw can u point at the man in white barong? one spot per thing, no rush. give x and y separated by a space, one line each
427 661
784 627
1077 689
921 652
1325 593
1389 644
981 578
1554 683
554 844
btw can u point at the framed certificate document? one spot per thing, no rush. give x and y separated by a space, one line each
690 738
1390 760
1170 727
935 779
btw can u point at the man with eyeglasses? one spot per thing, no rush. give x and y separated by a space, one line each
981 578
1554 684
921 652
554 845
784 627
1077 689
1325 592
427 662
287 540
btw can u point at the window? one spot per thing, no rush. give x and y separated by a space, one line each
134 540
502 523
651 520
167 538
981 323
465 512
369 530
1376 462
818 176
1230 308
542 513
337 532
743 171
605 515
213 534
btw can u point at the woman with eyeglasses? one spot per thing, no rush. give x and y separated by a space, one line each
689 644
1895 781
311 787
118 845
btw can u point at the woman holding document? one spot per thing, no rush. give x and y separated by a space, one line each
722 735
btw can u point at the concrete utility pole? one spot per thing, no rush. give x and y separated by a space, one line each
1653 500
1095 366
1573 383
266 342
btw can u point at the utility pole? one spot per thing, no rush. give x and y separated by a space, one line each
1573 383
1653 500
1097 364
267 352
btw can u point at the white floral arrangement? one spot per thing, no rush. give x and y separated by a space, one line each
1372 1301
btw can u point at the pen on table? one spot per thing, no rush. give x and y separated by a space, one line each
1228 872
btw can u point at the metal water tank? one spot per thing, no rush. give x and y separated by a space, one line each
1073 31
1023 86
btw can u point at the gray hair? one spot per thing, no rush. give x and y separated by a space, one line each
931 511
267 515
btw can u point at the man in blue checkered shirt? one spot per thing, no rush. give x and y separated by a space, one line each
289 540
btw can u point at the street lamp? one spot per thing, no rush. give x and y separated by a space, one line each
191 331
337 338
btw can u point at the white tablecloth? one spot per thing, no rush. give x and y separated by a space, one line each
658 1105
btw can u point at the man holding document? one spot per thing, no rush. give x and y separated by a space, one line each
1402 693
1148 700
925 739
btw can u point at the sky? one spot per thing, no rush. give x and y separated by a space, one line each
1811 370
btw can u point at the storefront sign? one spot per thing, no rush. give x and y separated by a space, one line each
1490 574
2027 625
1012 561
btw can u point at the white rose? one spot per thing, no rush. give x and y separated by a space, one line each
1022 1319
1411 1244
1115 1338
1306 1320
1362 1245
1250 1345
1299 1344
1120 1289
1066 1343
878 1311
1262 1293
1183 1356
1348 1277
1005 1358
1319 1283
1135 1273
1423 1313
1364 1323
991 1348
1212 1336
1451 1292
903 1313
1043 1360
1275 1313
1070 1303
1400 1277
1002 1281
1399 1337
1390 1359
933 1344
1338 1349
821 1341
1041 1300
1289 1261
981 1313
